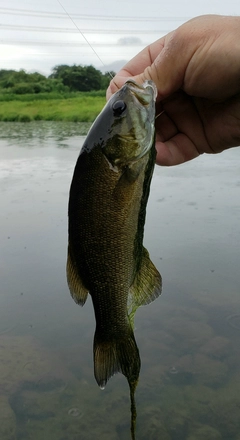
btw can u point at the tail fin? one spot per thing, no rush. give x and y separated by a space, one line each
118 355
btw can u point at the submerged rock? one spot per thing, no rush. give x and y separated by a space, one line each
207 371
217 347
225 413
152 426
189 334
8 421
205 432
27 372
23 360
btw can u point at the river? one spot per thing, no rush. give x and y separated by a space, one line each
189 338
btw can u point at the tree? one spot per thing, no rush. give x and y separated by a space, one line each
106 78
58 71
78 78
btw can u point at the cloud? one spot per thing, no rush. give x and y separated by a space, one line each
115 66
130 41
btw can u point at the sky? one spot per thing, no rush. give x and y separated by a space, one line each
38 35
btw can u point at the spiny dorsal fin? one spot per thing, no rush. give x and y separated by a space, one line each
76 287
147 286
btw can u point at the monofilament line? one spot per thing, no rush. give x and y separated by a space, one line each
76 26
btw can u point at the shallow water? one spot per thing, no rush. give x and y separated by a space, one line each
189 339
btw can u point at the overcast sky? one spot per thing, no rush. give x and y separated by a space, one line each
37 35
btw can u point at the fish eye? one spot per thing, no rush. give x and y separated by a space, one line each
118 107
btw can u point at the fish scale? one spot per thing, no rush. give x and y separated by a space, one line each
107 209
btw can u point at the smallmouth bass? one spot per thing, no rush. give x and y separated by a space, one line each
107 209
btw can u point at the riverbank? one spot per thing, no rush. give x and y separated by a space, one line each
79 107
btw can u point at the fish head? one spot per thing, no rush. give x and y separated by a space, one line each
125 127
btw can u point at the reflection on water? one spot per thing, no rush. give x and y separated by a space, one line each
189 386
43 134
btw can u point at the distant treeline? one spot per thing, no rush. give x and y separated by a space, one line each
63 79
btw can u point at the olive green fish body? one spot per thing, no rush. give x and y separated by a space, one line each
107 208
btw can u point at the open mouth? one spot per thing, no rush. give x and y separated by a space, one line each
144 93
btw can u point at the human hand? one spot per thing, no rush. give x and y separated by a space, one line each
196 69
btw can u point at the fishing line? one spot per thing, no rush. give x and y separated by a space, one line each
76 26
159 114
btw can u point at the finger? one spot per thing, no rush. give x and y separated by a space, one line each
175 151
116 83
136 66
179 131
143 59
164 62
165 127
182 111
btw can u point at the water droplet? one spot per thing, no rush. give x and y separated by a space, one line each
234 321
173 370
75 412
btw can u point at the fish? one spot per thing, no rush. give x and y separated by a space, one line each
107 209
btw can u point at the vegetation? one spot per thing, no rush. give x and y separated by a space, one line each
74 93
78 109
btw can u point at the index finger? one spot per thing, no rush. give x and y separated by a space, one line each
136 65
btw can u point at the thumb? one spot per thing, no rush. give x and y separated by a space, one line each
167 70
116 83
164 62
161 72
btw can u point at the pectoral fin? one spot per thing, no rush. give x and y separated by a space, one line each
76 287
147 286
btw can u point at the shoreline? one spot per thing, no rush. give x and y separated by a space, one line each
82 108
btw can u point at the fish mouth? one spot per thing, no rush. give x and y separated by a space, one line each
144 93
133 132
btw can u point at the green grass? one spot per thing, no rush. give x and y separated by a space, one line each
8 96
82 107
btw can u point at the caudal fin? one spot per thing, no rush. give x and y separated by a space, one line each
118 355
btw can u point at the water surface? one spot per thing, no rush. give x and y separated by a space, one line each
189 338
